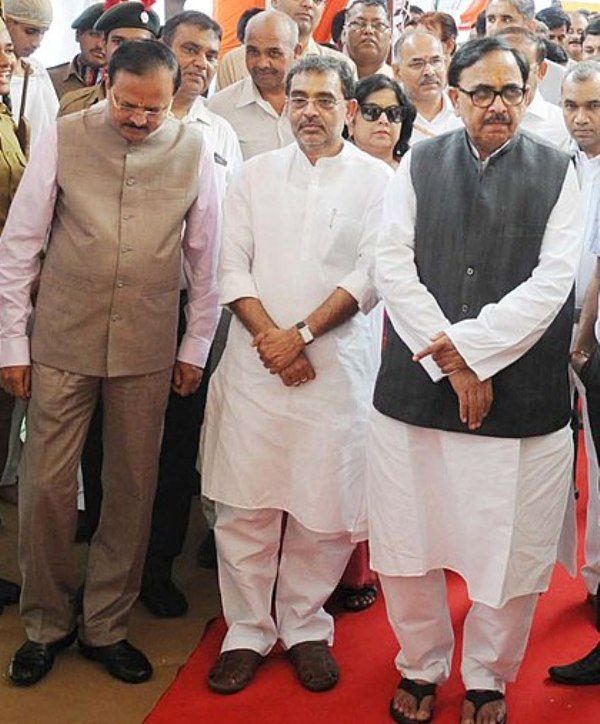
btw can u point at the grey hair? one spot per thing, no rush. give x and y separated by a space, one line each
583 71
279 18
399 44
323 64
526 8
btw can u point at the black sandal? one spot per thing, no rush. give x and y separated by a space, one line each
352 598
480 697
419 691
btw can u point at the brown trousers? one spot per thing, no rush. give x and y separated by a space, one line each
58 417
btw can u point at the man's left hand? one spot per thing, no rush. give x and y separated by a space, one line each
278 348
444 354
186 378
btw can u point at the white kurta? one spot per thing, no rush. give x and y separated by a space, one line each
293 232
489 508
42 101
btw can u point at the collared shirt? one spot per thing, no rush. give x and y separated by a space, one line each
42 104
545 120
232 67
221 141
24 236
258 126
69 77
445 121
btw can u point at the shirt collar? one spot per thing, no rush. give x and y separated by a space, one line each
198 113
249 94
498 152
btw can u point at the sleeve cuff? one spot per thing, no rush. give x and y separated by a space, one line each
194 351
14 352
359 287
233 289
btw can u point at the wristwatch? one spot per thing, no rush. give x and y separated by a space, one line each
305 333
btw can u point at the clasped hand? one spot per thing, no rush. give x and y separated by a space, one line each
282 352
474 397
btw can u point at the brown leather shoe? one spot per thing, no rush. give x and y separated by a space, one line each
315 666
234 670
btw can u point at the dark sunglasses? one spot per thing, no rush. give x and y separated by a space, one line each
371 112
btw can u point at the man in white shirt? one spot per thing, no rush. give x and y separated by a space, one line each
196 40
27 22
287 406
420 66
501 14
367 36
542 118
254 105
306 14
470 448
581 105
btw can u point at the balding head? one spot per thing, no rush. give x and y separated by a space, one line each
420 66
273 24
271 42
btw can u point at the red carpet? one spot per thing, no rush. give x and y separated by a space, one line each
365 649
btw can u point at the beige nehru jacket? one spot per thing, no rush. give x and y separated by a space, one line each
108 299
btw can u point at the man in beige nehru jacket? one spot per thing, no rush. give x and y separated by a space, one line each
307 15
105 324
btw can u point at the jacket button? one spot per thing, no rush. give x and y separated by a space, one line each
120 284
464 308
115 318
130 182
470 271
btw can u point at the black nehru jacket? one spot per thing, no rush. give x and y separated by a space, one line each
478 235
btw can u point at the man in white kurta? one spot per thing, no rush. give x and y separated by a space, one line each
449 486
284 432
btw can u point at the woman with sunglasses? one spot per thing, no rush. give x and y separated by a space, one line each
382 128
383 122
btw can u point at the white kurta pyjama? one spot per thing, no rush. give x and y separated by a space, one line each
489 508
293 232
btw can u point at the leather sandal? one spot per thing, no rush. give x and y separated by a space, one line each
419 692
480 697
358 599
315 667
234 670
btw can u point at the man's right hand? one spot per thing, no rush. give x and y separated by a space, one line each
474 397
299 372
16 381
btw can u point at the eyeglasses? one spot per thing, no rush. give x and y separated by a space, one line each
136 110
299 103
361 25
484 96
372 112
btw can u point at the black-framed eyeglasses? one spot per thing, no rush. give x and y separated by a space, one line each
372 112
484 96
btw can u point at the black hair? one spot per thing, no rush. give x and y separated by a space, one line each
374 83
337 25
554 18
142 56
240 28
480 25
593 28
474 50
323 64
189 17
555 52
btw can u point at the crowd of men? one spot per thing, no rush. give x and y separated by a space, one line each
360 310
